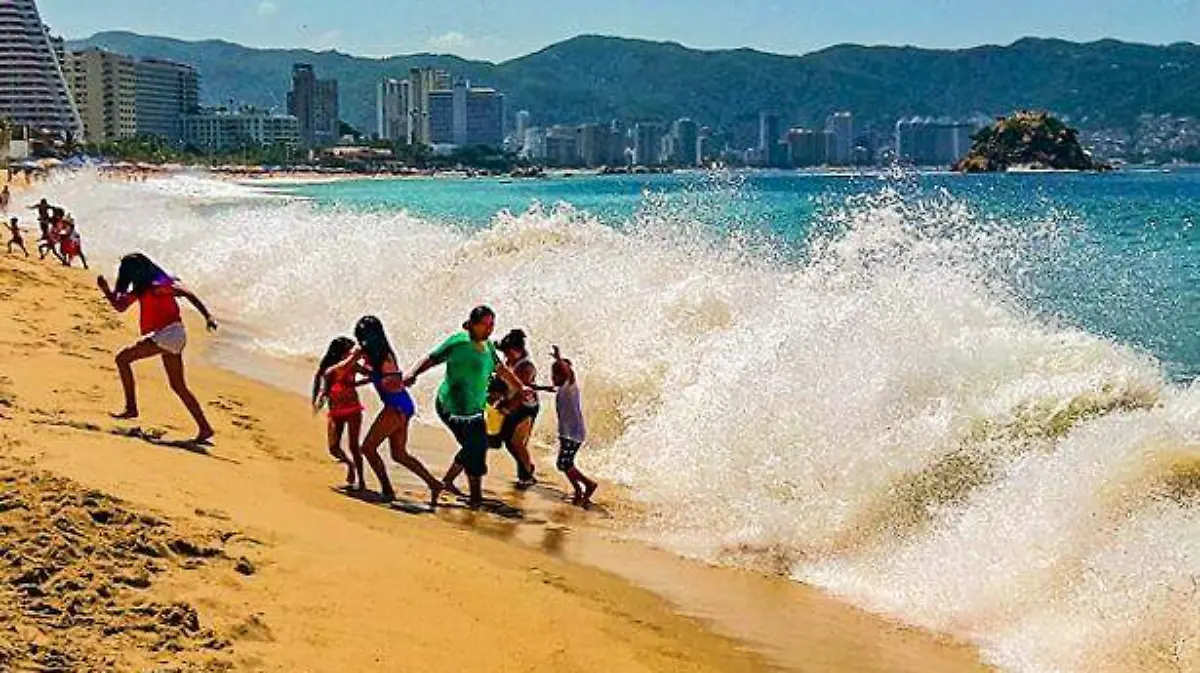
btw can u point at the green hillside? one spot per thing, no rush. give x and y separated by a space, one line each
592 78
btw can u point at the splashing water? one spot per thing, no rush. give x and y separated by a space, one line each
875 413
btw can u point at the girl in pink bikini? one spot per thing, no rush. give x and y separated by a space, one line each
336 384
142 282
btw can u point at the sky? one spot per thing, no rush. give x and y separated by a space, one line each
498 30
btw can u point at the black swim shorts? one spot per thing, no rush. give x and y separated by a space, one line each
567 448
471 434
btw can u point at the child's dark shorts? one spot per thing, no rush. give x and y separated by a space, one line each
567 448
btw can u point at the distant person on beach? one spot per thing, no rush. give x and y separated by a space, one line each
398 409
335 384
70 244
142 282
46 240
5 199
572 431
521 409
470 359
14 231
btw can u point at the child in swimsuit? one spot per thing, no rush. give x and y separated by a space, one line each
572 432
140 281
16 239
391 425
335 384
70 243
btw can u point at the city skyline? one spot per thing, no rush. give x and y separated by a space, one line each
479 29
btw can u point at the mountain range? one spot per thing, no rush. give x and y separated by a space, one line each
1103 84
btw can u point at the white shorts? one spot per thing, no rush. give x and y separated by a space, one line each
171 338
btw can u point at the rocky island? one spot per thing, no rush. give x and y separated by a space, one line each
1034 140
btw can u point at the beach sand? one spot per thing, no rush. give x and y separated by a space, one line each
123 548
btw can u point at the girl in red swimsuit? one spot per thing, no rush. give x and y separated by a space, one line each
336 383
142 282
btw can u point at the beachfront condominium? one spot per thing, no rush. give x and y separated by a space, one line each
104 86
421 83
439 121
933 142
478 115
466 115
600 145
524 120
220 131
166 91
771 151
33 87
391 110
314 102
841 125
808 147
685 142
647 144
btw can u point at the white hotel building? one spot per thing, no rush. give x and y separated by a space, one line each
33 89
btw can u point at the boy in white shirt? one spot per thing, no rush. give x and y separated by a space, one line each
572 432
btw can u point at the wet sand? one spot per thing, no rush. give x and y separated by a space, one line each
335 582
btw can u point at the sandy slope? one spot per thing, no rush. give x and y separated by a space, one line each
301 578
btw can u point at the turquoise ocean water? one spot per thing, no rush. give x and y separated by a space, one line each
966 402
1124 262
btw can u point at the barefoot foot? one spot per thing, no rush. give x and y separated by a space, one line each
125 415
586 501
453 490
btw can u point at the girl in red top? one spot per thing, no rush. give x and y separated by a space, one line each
70 244
142 282
336 383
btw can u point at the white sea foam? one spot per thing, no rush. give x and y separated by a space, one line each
880 418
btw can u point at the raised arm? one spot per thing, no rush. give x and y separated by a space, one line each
187 294
118 300
568 370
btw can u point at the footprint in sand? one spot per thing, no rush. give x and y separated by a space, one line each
252 629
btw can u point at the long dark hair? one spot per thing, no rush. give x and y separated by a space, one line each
374 342
514 340
137 274
338 350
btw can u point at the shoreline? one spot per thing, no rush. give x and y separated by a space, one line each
337 584
266 476
793 625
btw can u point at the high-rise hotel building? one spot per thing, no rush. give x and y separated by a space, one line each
166 91
33 88
314 102
104 86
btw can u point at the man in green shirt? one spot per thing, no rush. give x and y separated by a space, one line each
471 360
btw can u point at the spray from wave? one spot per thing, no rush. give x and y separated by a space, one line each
876 414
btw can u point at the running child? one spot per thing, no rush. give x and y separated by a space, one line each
47 242
142 282
17 240
70 244
572 432
335 384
